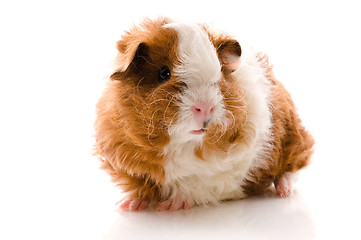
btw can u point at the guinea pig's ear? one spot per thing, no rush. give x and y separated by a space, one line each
129 54
229 52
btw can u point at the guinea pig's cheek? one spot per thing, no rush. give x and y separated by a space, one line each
184 125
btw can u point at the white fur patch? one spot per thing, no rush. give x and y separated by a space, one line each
199 61
200 69
222 175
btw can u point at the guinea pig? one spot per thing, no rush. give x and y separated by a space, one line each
189 118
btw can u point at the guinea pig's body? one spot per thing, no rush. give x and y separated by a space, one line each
190 118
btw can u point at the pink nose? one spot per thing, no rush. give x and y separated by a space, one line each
202 112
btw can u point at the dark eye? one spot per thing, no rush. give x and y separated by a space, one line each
164 74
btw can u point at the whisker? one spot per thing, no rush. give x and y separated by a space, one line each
166 109
151 123
171 121
233 101
234 119
158 100
161 89
215 133
137 88
222 133
241 108
232 98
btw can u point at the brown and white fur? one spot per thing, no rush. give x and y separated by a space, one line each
220 128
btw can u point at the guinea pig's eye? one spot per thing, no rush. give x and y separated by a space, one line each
164 74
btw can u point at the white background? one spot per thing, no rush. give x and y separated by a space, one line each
53 58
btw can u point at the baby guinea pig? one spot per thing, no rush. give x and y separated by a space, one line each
191 118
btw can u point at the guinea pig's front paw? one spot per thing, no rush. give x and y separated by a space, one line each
132 204
173 205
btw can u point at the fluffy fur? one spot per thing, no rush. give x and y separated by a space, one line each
143 127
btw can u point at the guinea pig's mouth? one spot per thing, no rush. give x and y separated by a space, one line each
198 132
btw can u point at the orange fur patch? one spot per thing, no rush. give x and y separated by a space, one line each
135 111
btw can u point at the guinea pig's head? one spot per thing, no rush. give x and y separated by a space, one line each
174 82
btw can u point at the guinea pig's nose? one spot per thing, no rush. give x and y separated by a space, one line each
203 112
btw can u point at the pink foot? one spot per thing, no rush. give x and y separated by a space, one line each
173 205
284 185
133 204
